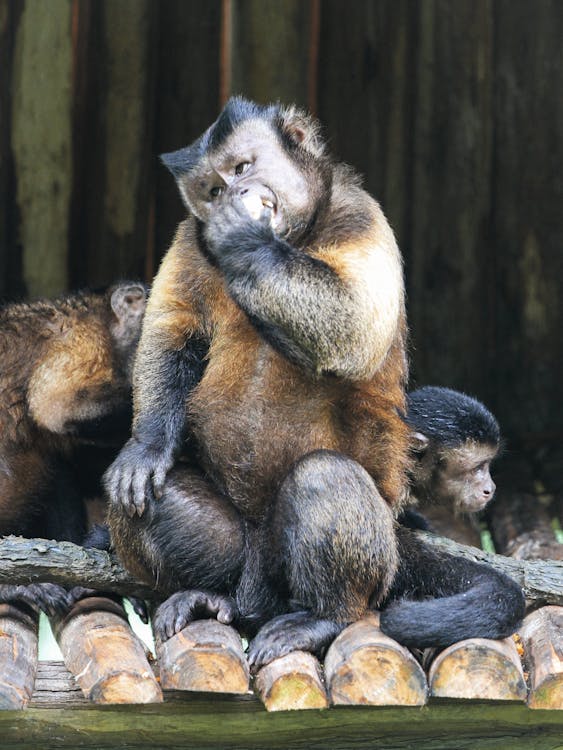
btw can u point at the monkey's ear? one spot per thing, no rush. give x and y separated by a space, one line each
418 442
128 300
302 130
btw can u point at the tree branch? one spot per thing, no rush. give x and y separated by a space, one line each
37 560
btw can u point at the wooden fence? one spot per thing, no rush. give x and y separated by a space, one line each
451 108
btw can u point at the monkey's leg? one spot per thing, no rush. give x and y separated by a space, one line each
333 546
188 544
468 599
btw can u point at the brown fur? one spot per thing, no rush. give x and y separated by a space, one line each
63 363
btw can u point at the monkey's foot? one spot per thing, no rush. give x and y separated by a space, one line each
48 597
185 606
297 631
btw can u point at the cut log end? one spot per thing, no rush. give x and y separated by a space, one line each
18 656
291 682
478 668
542 635
364 666
205 656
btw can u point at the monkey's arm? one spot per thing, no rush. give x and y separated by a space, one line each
170 362
335 311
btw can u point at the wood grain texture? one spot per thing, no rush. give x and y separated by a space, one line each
365 667
478 668
18 656
291 682
106 658
542 634
204 656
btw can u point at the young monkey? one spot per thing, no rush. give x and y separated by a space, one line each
454 440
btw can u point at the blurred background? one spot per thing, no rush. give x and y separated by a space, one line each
451 109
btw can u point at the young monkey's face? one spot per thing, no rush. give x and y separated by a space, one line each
462 477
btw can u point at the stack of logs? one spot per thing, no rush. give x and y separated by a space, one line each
362 666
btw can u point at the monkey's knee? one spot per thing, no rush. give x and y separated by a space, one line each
192 537
336 534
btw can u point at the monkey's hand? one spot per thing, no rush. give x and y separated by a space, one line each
232 231
137 475
184 607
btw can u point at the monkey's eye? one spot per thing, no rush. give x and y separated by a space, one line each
215 191
241 168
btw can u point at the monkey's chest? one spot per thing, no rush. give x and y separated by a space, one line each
253 415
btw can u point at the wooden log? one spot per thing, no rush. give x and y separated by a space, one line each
478 668
542 635
39 560
364 666
521 527
106 658
18 655
291 682
204 656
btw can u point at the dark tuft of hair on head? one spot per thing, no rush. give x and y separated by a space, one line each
450 418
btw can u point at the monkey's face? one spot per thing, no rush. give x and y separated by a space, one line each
252 166
462 477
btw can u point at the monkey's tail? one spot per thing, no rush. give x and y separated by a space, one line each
465 599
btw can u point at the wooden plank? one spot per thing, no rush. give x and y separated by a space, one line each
111 193
528 221
521 527
186 99
542 635
237 722
364 666
269 49
367 79
291 682
18 656
478 668
106 658
204 656
41 135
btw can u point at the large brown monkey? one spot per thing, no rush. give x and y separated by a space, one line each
274 341
65 399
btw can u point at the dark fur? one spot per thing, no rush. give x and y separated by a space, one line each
65 382
289 274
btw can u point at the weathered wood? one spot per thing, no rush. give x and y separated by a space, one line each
443 521
364 666
204 656
527 220
478 668
41 141
266 35
521 527
291 682
241 723
36 560
106 658
18 656
542 634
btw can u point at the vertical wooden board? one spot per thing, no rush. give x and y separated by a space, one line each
450 269
112 197
41 121
186 98
270 50
366 90
528 220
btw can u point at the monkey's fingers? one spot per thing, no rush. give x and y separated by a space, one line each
185 606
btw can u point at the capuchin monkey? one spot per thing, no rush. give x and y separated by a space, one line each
274 347
454 440
65 381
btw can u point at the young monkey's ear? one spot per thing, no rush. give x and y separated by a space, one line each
418 442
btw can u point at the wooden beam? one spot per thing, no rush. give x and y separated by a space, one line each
542 634
292 682
18 656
